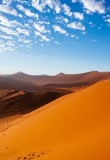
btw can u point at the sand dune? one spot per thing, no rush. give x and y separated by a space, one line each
7 83
76 126
22 81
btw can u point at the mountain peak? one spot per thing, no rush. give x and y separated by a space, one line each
19 72
60 74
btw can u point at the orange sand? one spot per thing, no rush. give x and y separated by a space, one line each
74 127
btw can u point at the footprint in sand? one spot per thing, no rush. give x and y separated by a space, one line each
33 155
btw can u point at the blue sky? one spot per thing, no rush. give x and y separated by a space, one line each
52 36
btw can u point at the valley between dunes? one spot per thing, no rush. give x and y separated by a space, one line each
73 127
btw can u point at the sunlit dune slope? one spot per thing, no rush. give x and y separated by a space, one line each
76 127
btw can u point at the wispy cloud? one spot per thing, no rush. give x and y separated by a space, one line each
61 19
66 10
8 46
40 28
22 39
74 1
107 18
57 42
5 22
7 2
41 5
73 36
27 11
60 30
43 22
76 25
5 36
43 37
23 31
7 9
8 31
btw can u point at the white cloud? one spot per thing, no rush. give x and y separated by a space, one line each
91 24
76 25
27 11
57 42
10 43
106 16
29 24
24 40
20 15
99 27
40 28
26 25
61 19
84 32
88 12
23 1
23 31
74 1
94 6
2 47
60 30
37 33
65 20
8 31
8 46
8 10
43 37
7 2
41 5
5 22
107 20
72 36
66 10
78 15
43 22
5 36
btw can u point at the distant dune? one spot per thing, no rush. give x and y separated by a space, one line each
73 127
22 81
7 83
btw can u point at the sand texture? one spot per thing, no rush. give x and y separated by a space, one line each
73 127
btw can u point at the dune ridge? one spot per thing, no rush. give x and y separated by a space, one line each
75 127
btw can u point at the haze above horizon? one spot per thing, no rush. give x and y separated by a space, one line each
52 36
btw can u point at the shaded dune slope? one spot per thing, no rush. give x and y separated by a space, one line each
21 102
76 126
